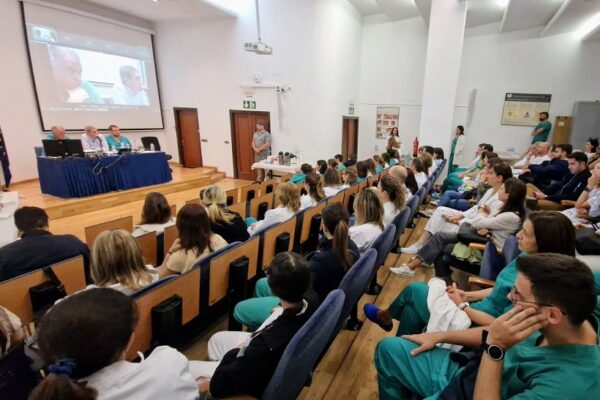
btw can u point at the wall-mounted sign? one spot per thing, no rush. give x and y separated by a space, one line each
387 119
524 108
250 104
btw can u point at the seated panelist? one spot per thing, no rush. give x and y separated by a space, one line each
92 140
57 132
115 140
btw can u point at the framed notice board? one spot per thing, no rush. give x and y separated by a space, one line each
524 108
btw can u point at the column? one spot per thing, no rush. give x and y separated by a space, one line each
442 68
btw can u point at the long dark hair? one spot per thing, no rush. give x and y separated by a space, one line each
503 170
411 182
194 228
516 191
103 320
362 169
336 219
156 209
322 166
315 189
332 178
554 232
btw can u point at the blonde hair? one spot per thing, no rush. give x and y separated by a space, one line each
368 209
215 200
351 176
117 258
288 195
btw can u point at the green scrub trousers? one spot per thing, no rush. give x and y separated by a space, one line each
253 312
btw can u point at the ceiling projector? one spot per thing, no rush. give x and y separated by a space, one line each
258 48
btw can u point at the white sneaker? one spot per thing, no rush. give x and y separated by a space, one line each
402 270
411 249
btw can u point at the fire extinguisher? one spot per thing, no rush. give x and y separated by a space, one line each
415 147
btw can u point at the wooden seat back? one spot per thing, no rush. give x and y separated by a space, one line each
233 193
337 198
240 208
171 233
309 213
255 203
219 268
147 243
14 293
244 190
265 184
348 194
270 239
187 286
92 232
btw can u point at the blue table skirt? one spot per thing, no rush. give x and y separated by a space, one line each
81 177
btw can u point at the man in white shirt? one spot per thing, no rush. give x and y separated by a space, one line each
92 140
537 154
130 91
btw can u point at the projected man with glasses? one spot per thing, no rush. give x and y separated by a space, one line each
67 69
130 91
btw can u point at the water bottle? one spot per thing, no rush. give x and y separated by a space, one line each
151 146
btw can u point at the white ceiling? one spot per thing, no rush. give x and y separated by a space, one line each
554 16
167 10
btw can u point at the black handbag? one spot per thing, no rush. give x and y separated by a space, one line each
468 234
44 295
587 242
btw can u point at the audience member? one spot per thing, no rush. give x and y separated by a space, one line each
314 191
372 167
591 145
568 188
543 231
11 331
418 168
362 170
331 163
427 160
115 140
83 340
496 226
394 157
351 160
117 263
369 219
448 220
456 149
400 173
438 157
340 162
91 140
288 198
379 164
156 215
555 170
542 130
332 182
321 167
587 205
300 176
349 177
386 158
545 347
244 362
536 155
196 240
37 247
225 223
411 181
391 195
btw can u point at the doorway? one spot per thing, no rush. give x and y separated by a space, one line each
243 126
188 137
349 136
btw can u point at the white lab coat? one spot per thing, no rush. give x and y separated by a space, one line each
364 235
272 217
444 315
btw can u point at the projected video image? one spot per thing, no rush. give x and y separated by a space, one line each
83 76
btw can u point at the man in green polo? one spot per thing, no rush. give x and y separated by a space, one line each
542 130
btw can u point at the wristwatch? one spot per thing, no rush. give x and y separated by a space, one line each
464 305
588 189
494 351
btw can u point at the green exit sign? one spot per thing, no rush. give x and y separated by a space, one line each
250 104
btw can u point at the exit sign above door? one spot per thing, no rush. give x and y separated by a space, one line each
250 104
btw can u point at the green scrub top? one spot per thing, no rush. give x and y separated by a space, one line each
543 137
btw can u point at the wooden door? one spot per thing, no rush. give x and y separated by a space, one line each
349 136
243 126
188 137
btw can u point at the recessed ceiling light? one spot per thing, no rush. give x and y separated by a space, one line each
588 26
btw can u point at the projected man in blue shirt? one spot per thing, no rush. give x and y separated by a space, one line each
67 69
130 91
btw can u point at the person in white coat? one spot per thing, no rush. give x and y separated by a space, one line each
446 219
369 220
92 363
314 191
288 198
456 151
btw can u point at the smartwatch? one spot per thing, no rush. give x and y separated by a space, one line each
494 351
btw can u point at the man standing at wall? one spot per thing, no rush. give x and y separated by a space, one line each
542 130
261 144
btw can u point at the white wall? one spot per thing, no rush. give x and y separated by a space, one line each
522 62
392 70
19 118
393 59
316 51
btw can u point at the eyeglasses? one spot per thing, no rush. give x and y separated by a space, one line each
512 296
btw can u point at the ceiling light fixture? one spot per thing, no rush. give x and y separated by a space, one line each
588 27
502 3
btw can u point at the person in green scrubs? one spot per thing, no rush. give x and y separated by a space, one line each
115 140
458 144
543 231
542 130
545 347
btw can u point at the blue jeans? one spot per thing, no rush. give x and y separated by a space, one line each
451 198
